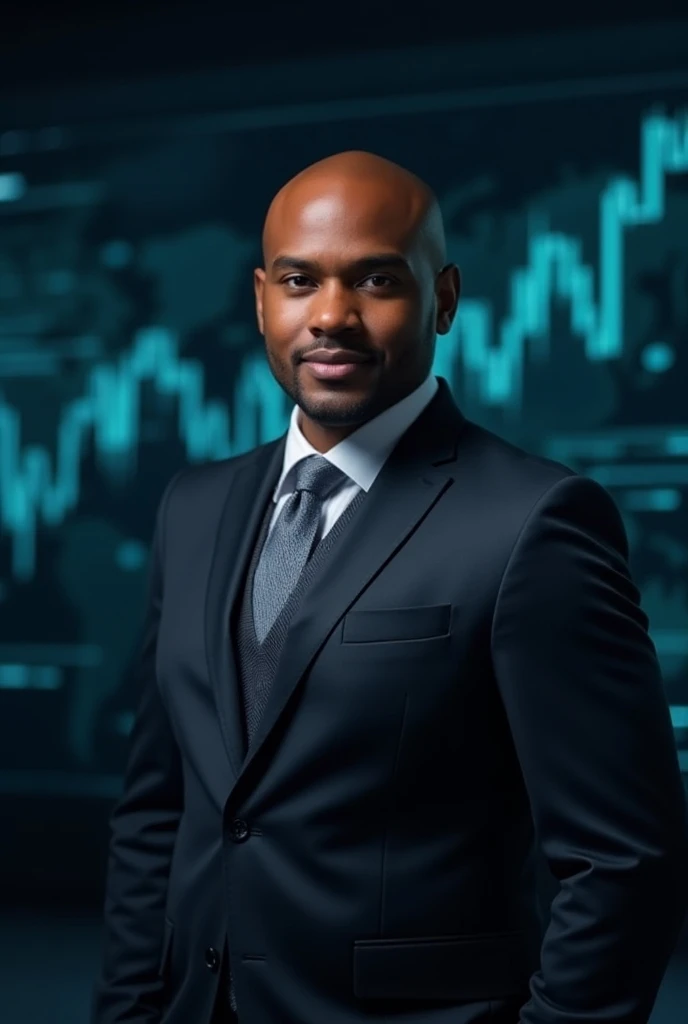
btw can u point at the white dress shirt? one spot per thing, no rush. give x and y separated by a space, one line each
361 455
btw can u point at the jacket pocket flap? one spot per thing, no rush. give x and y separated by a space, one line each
460 967
421 622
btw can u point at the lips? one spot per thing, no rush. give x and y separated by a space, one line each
335 357
338 365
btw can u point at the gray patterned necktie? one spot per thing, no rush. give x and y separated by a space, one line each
289 544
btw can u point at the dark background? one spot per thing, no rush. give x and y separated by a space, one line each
53 43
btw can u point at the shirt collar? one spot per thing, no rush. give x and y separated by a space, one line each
363 453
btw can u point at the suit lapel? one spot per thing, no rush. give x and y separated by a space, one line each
250 489
405 490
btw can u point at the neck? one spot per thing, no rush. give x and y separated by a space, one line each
323 438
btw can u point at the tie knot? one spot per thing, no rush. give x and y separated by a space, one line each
317 475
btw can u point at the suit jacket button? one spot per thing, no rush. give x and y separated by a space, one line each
239 830
212 958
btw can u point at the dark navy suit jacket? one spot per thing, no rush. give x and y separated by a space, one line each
469 679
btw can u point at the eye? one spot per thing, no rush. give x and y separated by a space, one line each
293 280
384 278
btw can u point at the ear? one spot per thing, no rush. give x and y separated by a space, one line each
447 292
259 288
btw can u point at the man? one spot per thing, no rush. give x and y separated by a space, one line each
387 658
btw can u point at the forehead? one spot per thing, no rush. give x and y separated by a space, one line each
342 217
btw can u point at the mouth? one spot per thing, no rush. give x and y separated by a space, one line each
332 365
333 371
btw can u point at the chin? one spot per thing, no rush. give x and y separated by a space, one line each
335 409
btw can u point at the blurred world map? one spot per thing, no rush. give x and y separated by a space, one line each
128 348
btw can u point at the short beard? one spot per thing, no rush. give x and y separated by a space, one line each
338 409
345 411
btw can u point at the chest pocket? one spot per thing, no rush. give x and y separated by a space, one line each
384 625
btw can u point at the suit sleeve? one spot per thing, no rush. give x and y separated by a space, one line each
143 831
582 690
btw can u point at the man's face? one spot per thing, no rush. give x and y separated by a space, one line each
345 270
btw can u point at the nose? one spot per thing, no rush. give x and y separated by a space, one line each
333 309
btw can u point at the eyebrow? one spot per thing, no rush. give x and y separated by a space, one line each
376 261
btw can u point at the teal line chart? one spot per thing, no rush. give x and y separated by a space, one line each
35 493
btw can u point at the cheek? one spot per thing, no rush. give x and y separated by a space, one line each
283 318
398 324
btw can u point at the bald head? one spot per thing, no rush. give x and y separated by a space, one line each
360 185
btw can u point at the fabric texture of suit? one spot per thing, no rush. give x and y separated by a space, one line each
463 674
